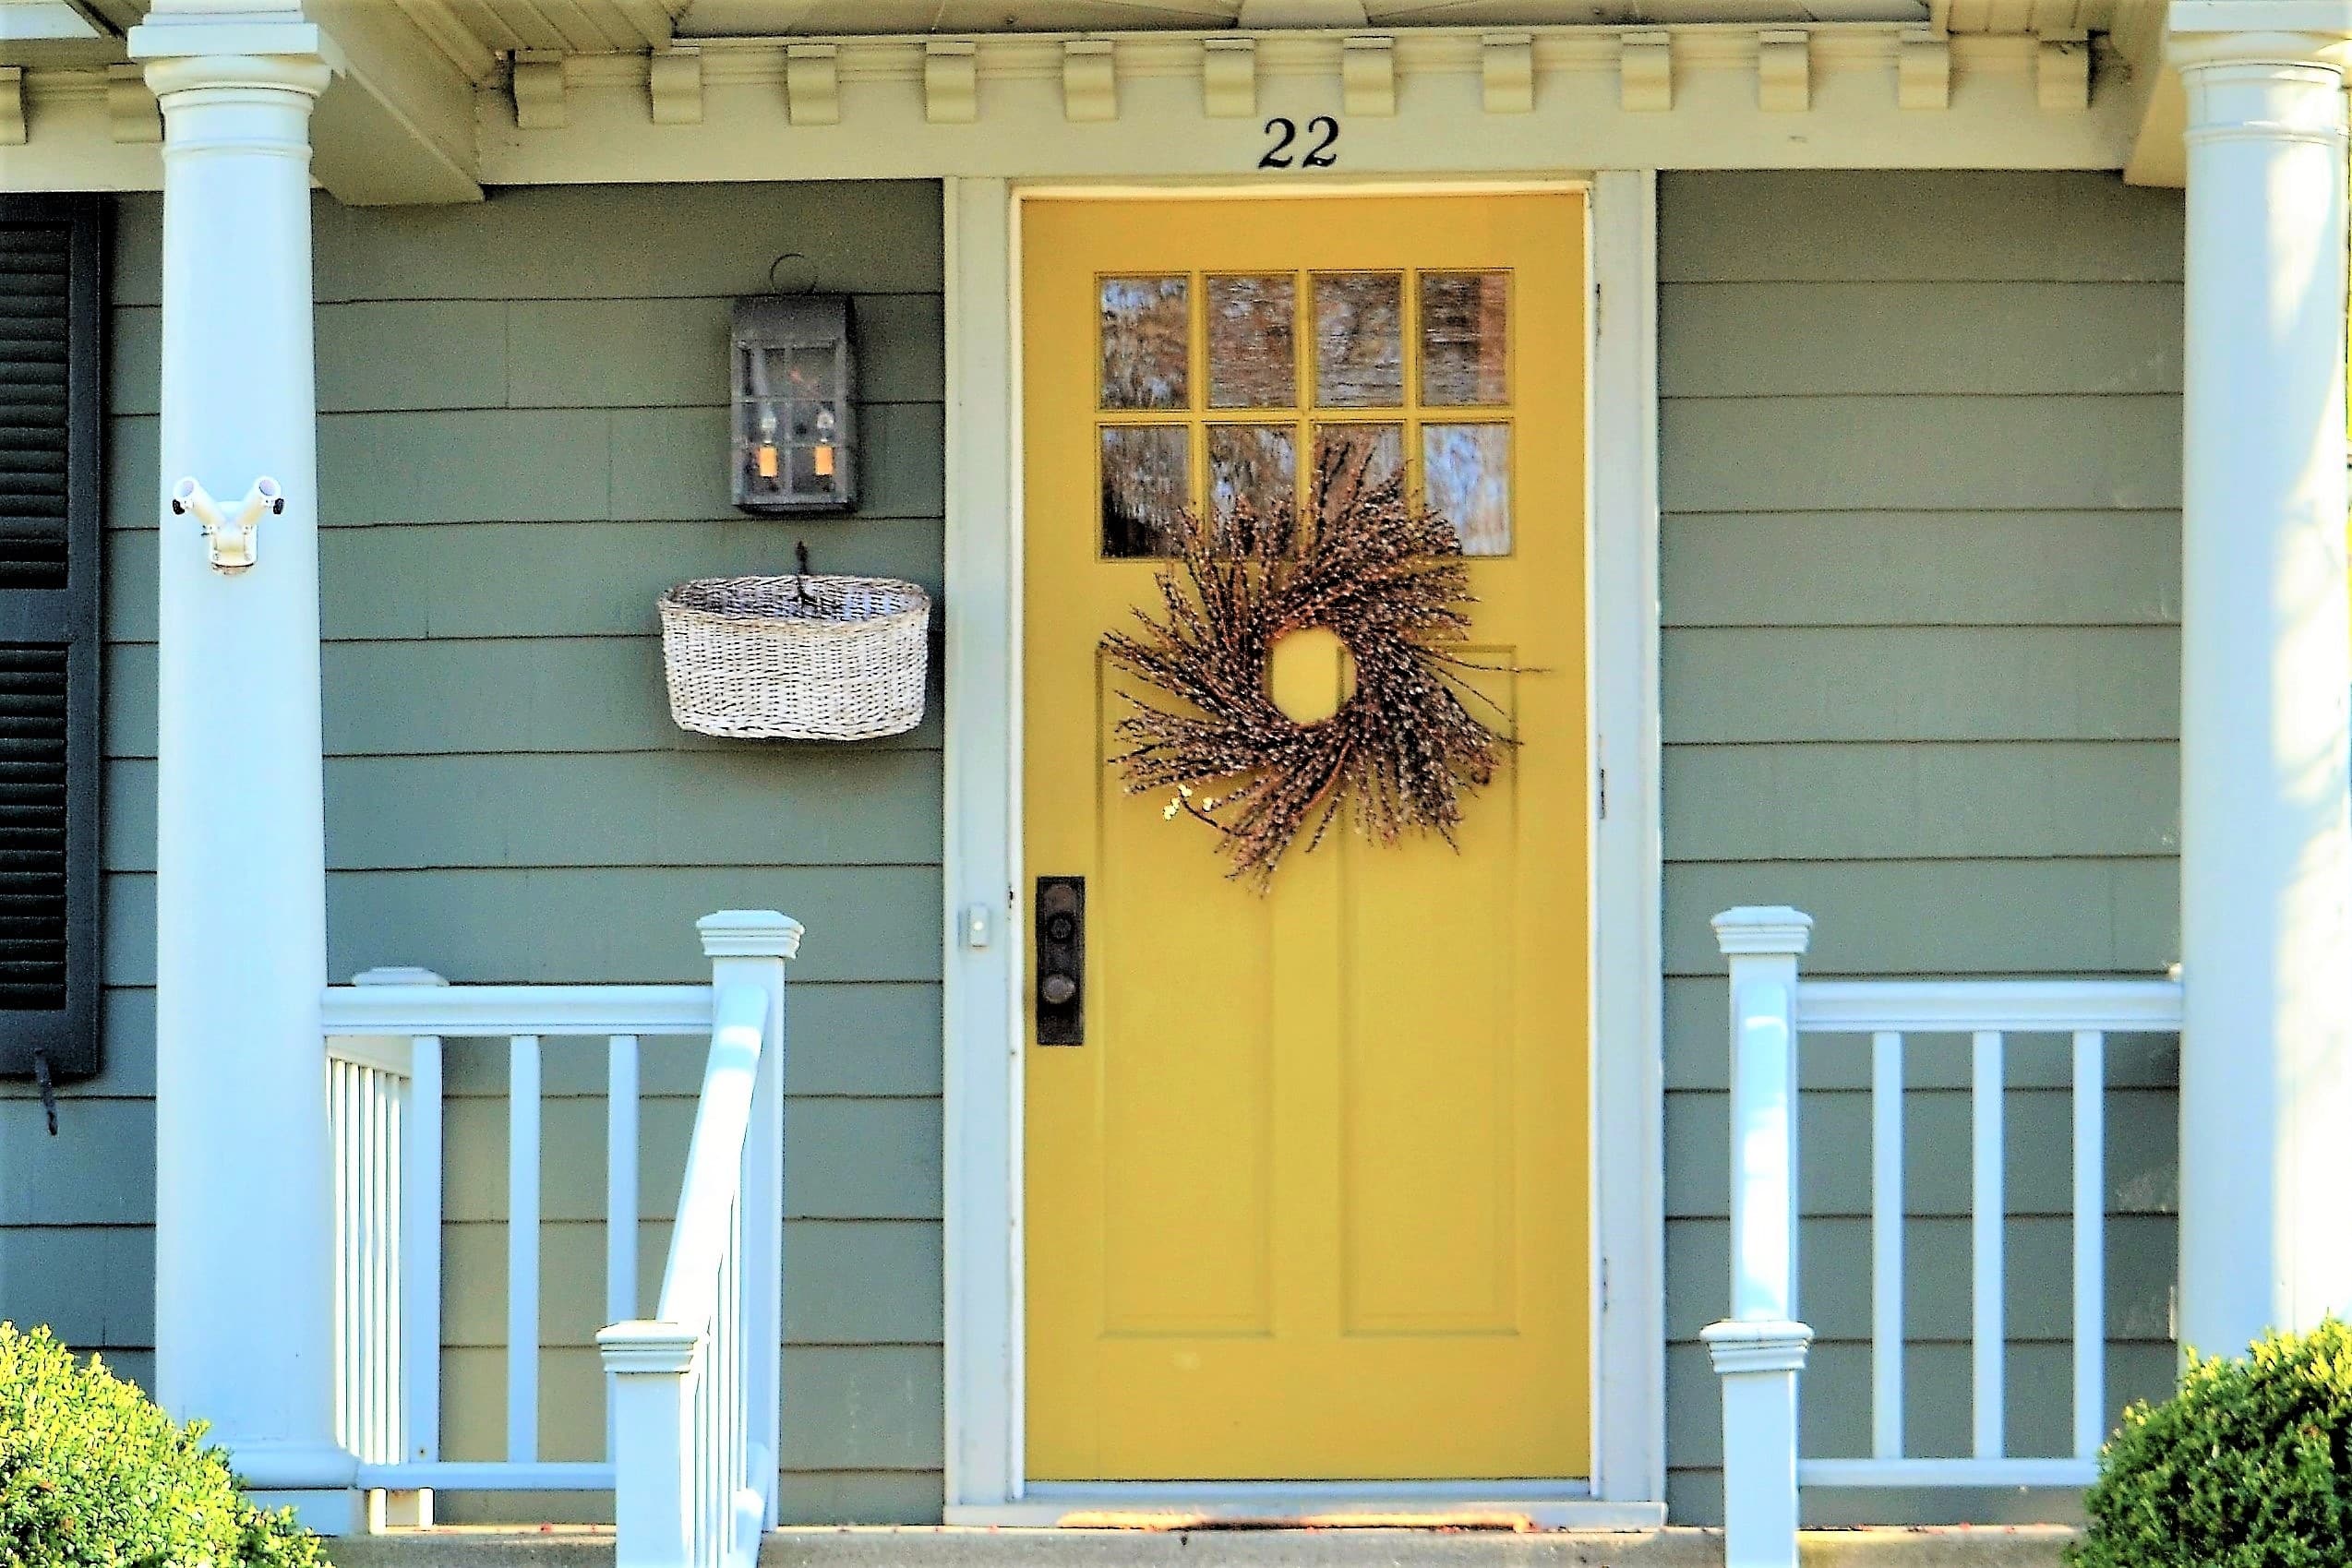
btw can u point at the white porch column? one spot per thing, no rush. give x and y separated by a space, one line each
2266 849
243 1330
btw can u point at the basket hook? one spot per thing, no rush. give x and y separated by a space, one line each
800 580
808 287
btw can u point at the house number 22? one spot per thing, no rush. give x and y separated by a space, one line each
1285 131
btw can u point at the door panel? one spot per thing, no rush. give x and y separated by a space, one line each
1311 1199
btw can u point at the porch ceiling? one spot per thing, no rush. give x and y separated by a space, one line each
471 34
741 17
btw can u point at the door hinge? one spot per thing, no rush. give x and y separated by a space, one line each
1604 795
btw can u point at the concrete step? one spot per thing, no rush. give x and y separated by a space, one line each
575 1547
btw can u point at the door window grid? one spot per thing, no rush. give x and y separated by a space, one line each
1459 452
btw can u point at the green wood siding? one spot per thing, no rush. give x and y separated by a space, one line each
1921 591
522 442
1920 586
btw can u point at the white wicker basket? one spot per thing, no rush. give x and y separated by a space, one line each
800 658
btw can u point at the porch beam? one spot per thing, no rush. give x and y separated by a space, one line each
2266 661
1168 121
245 1235
396 127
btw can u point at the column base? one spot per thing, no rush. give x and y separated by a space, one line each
338 1512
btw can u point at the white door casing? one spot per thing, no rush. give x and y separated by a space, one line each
982 967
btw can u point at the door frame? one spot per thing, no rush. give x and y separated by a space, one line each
984 1420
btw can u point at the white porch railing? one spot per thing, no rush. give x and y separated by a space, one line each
384 1035
1760 1351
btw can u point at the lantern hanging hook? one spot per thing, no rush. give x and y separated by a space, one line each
808 287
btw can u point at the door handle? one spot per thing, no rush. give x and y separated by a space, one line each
1061 961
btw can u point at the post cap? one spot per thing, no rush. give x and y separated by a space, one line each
748 933
1760 928
1745 1345
647 1346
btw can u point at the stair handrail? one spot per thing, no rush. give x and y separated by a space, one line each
697 1388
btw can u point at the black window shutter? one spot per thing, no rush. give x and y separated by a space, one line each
52 346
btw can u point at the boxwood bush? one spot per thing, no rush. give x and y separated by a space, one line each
2250 1466
94 1476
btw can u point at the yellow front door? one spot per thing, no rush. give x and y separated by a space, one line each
1309 1198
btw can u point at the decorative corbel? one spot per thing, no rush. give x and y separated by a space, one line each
1922 71
951 81
1506 72
1229 77
1646 72
132 114
673 81
1090 80
813 84
231 539
2062 70
538 90
1783 70
1368 75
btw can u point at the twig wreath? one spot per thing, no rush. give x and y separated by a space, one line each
1384 575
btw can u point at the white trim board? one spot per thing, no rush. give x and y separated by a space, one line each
1436 101
1548 1505
986 1481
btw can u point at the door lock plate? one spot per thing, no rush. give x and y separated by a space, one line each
1061 961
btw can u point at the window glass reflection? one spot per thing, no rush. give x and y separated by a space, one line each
1465 478
1253 349
1360 339
1146 332
1146 486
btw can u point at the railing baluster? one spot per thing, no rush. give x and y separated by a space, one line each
421 1240
620 1178
621 1197
388 1241
1987 1223
338 1075
368 1084
522 1248
2090 1242
1887 1212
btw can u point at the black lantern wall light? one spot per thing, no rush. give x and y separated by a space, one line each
794 420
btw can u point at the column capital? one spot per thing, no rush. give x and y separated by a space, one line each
2316 33
199 43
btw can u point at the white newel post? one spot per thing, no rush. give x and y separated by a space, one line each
244 1242
1759 1349
2266 659
750 947
652 1364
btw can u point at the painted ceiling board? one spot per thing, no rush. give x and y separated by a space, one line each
584 27
721 18
46 20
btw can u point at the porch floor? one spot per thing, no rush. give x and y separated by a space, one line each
2036 1546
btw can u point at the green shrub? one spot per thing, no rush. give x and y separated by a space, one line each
93 1475
2250 1466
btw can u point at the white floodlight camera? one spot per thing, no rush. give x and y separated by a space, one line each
232 538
